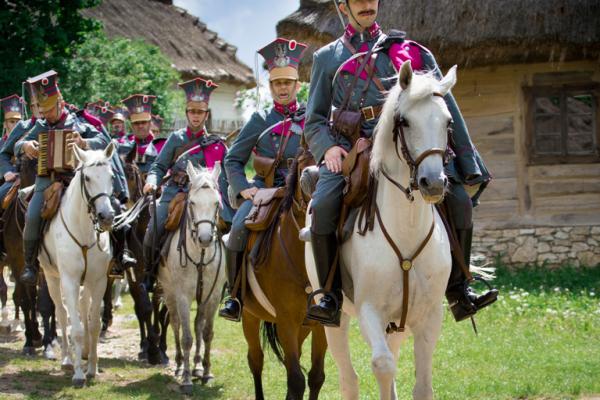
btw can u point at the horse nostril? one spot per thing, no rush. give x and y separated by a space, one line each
424 182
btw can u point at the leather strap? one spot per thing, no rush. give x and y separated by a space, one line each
353 51
406 264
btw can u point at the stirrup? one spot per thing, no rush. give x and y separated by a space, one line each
332 323
227 317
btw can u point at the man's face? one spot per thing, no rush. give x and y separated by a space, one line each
117 126
9 124
53 115
141 129
197 114
284 90
364 11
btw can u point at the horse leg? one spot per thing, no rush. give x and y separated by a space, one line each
251 326
164 325
198 328
107 315
143 312
3 298
183 310
207 336
316 375
383 365
116 297
288 338
61 314
394 341
84 309
46 308
70 291
426 336
338 341
93 333
172 305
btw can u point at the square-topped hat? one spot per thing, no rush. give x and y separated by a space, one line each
95 107
198 90
283 58
119 114
105 114
45 91
12 106
139 107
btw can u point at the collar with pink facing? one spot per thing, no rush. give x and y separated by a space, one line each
372 32
286 109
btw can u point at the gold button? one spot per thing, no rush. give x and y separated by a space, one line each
406 265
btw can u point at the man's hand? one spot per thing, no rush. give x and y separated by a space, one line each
78 140
334 157
10 176
249 193
149 188
30 148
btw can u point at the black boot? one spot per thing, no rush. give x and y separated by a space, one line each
327 312
232 309
122 256
29 276
464 302
151 263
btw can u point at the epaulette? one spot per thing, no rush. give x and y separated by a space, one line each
300 114
392 37
159 140
211 139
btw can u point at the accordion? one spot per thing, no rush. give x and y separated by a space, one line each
55 155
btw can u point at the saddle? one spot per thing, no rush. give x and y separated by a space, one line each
265 207
176 210
12 193
355 169
52 196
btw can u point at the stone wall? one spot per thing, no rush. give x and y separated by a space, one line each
577 246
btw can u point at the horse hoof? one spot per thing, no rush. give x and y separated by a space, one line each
198 373
186 389
164 360
143 356
90 377
178 371
67 367
37 343
207 378
78 383
49 353
29 351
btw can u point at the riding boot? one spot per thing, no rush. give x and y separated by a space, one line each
151 267
464 302
122 255
29 276
232 309
327 312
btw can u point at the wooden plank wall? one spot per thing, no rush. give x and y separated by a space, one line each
520 195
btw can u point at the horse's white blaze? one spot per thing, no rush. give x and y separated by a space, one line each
180 281
64 264
374 265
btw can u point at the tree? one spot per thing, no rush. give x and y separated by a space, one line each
113 69
39 35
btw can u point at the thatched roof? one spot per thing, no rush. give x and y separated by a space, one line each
193 48
471 32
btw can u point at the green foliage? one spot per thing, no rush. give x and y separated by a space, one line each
38 35
112 70
247 98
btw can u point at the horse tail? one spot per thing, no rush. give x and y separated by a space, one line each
269 334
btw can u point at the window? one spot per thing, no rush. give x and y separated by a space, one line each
563 124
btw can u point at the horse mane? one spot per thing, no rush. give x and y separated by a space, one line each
398 101
290 183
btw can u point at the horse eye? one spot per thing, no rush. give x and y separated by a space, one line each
404 123
450 122
86 178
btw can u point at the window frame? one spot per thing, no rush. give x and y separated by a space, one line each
563 90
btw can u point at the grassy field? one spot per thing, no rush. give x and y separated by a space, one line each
540 341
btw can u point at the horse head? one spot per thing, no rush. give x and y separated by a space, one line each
413 129
204 201
95 177
133 175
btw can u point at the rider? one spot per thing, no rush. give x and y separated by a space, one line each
467 168
55 116
117 118
265 134
192 143
156 125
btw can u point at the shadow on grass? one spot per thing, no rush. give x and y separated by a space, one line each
535 279
160 385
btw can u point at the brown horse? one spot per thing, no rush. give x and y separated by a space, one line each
30 299
281 273
153 336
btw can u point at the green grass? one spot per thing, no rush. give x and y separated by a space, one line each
540 341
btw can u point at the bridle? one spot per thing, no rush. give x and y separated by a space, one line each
194 224
89 199
413 164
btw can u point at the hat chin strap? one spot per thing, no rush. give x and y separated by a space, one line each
350 11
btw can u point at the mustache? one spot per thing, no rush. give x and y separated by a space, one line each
367 12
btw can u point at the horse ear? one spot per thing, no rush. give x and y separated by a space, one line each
79 154
191 171
405 75
110 150
131 155
448 81
216 172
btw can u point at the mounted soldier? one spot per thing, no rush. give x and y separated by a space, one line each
350 77
192 143
117 119
272 137
156 125
55 117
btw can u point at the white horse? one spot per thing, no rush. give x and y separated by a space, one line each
408 150
76 253
194 269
